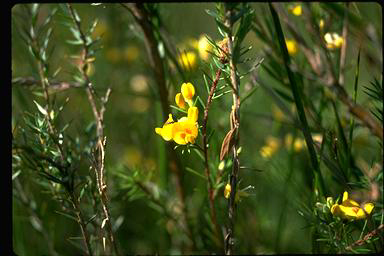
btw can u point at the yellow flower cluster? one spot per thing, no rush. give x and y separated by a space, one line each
185 130
350 209
298 144
188 60
333 40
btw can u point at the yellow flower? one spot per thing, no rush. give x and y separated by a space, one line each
351 210
333 40
185 131
298 145
180 100
204 46
321 24
168 129
188 91
296 10
291 46
187 60
227 191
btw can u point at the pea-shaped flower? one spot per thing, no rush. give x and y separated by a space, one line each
350 209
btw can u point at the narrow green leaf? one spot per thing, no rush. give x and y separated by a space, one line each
299 104
195 173
41 109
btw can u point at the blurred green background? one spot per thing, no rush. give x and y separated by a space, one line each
133 112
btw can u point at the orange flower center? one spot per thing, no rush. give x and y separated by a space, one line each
355 209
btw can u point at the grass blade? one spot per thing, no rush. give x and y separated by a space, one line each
298 102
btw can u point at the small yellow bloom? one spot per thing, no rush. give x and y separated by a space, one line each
188 91
187 60
296 10
298 145
351 210
227 191
321 24
180 100
333 40
291 46
204 46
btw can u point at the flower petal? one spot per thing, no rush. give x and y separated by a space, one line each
179 99
193 114
188 91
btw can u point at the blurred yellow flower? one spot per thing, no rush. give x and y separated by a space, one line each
132 156
101 29
298 144
272 144
113 55
187 60
296 10
192 42
277 113
140 104
351 210
291 46
204 46
139 83
321 24
227 191
130 53
333 40
179 99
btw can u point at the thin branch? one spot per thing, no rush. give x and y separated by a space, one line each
99 118
366 237
235 123
206 162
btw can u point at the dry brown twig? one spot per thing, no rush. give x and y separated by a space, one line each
99 151
366 237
